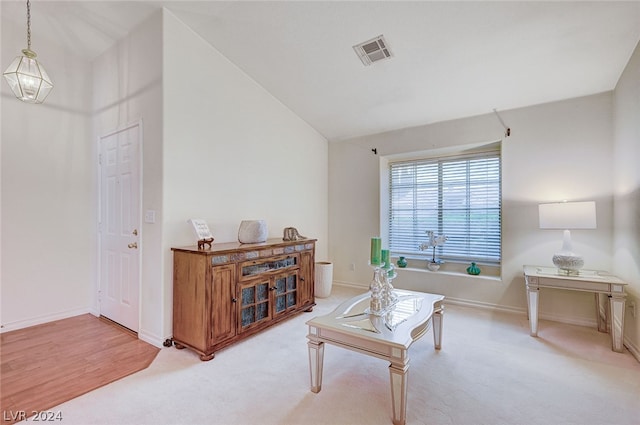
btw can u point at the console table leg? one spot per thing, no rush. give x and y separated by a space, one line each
533 295
398 377
602 311
316 359
616 308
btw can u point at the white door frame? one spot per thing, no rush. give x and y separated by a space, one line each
101 284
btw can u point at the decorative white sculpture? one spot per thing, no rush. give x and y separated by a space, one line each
252 231
434 241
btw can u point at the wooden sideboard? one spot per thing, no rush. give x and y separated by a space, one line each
233 290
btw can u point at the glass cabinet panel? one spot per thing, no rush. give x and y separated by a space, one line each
255 303
285 292
256 267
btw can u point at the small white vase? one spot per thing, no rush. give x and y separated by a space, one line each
252 231
434 267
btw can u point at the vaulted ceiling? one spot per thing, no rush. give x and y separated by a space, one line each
450 59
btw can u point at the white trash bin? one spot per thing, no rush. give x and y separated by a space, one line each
323 279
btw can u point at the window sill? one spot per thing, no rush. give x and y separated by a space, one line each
453 269
450 273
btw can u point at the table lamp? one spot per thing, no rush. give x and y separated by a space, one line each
565 216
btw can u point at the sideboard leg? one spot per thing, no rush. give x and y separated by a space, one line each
206 358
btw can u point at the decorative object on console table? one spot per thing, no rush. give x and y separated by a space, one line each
565 216
252 231
473 269
292 234
434 241
203 234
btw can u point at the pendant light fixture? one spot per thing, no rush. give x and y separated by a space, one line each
26 76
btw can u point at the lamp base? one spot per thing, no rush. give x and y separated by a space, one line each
568 263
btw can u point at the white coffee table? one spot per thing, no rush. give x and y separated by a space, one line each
387 337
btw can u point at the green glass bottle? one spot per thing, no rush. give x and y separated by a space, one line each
473 269
402 263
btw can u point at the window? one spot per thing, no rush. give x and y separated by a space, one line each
456 196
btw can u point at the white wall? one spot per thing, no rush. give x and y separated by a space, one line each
127 88
556 151
626 245
233 152
216 145
46 197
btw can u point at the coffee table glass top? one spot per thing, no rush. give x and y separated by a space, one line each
406 306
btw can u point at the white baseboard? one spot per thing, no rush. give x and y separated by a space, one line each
634 350
151 338
484 306
351 285
571 320
21 324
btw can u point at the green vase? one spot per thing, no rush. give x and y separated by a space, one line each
473 269
402 263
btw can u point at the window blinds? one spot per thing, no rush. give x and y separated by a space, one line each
458 197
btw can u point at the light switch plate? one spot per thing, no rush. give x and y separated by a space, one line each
150 216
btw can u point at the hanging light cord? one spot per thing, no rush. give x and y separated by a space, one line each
28 25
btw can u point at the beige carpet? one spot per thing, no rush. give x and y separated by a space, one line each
489 371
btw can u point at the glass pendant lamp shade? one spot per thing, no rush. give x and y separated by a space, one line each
28 79
26 76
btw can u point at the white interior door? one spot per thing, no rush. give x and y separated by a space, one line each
119 294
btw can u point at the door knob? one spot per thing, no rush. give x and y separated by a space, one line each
133 245
135 232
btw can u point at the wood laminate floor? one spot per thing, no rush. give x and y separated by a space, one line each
45 365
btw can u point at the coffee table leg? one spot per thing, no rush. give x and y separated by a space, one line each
316 359
532 301
398 376
437 328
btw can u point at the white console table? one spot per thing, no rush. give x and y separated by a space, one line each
604 285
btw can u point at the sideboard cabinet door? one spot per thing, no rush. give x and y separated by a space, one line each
305 292
223 303
253 304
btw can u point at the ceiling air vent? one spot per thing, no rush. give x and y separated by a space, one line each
373 50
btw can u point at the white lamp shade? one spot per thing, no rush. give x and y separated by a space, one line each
568 215
28 79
